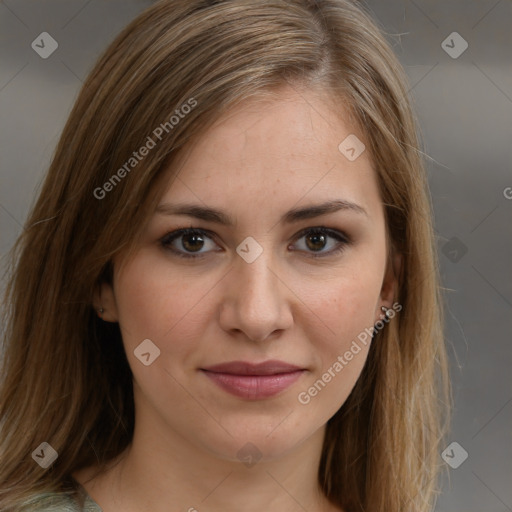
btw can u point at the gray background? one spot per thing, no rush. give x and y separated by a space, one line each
464 106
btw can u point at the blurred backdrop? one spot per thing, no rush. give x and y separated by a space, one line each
458 55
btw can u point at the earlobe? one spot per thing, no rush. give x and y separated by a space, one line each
105 303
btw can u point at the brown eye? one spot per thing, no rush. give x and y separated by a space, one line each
318 238
191 243
316 241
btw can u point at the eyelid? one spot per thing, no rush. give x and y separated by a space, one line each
342 238
334 233
168 238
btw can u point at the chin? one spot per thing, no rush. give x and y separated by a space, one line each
262 440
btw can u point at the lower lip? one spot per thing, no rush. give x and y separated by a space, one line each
254 387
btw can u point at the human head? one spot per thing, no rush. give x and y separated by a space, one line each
174 52
256 291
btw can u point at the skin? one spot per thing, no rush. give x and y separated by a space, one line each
258 162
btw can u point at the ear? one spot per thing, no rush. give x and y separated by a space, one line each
390 283
104 298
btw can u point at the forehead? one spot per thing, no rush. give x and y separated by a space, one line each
276 152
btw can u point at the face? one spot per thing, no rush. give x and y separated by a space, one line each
264 276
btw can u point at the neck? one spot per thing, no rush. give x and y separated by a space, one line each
162 472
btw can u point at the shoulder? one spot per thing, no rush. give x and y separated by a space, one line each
59 502
51 502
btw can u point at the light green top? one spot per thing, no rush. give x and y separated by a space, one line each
62 502
86 503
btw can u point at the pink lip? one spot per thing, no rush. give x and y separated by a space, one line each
254 381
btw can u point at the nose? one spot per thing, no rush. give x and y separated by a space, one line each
256 300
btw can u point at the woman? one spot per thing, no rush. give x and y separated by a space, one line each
226 296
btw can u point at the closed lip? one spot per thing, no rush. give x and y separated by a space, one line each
270 367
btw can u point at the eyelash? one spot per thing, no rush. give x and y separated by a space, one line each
341 237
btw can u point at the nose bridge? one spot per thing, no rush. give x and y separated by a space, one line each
256 302
257 279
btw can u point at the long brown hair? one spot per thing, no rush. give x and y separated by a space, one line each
65 376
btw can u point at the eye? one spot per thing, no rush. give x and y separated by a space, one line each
192 241
316 239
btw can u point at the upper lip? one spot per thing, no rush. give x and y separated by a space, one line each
271 367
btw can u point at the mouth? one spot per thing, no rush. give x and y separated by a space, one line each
254 381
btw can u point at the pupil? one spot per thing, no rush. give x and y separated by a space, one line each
197 239
317 238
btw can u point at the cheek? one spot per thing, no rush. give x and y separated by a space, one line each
154 303
345 305
341 310
341 347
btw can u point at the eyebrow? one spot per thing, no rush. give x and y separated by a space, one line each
294 215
